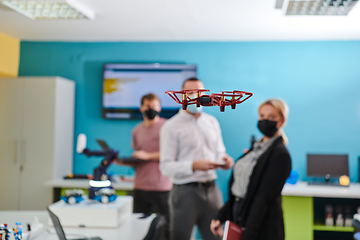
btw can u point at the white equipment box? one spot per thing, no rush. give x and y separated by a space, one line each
90 213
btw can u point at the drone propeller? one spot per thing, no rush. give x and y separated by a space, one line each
222 100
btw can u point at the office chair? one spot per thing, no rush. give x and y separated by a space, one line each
156 229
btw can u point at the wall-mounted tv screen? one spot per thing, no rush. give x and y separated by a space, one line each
124 84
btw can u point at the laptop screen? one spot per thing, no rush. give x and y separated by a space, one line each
57 225
60 231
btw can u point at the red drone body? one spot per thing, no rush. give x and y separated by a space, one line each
226 98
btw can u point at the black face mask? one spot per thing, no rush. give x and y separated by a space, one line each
267 127
151 113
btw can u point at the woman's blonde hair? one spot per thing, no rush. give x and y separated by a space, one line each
283 110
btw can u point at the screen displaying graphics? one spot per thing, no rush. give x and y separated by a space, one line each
125 84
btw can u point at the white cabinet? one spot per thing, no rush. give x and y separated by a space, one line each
36 139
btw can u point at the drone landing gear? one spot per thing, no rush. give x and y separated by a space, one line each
184 104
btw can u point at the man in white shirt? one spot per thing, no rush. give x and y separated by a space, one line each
191 148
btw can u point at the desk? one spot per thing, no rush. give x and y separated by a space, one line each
133 229
57 185
298 207
302 189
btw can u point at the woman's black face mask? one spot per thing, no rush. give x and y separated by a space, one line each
151 113
267 127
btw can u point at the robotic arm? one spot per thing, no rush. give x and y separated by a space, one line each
108 154
101 193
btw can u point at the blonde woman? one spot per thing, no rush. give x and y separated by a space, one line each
258 178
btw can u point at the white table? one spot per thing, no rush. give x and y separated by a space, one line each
302 189
133 229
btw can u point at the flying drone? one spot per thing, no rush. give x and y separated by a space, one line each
223 99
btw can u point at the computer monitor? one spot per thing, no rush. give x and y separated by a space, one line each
319 165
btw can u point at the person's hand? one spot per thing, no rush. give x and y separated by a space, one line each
216 228
203 165
141 155
229 161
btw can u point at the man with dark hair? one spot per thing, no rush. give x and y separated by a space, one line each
191 148
149 97
192 79
151 187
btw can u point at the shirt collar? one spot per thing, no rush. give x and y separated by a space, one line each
187 115
268 143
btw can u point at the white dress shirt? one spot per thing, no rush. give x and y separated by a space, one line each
185 139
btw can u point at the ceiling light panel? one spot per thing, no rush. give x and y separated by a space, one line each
320 7
45 9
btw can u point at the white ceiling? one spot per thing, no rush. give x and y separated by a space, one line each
183 20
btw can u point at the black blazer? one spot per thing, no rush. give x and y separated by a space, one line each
261 212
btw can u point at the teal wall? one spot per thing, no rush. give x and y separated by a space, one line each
320 81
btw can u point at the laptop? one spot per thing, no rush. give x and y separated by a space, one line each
60 231
105 147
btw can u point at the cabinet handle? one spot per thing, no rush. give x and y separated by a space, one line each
23 151
16 151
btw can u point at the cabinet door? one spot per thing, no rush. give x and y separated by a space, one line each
298 217
10 142
38 143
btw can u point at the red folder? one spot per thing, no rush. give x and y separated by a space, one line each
232 231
